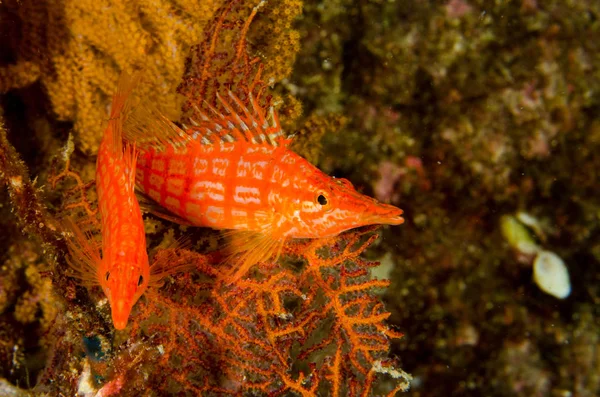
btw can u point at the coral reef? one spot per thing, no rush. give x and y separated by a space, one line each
310 324
465 113
215 65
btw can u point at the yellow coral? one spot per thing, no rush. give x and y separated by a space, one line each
278 42
38 301
39 297
307 140
79 47
289 111
19 75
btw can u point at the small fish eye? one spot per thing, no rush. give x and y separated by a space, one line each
322 199
107 275
140 280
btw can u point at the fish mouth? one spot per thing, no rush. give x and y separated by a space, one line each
120 324
120 314
385 214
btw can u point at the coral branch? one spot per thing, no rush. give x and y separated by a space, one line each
258 333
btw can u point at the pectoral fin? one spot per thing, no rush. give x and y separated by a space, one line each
84 256
244 249
173 258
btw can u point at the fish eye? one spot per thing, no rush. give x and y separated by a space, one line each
107 275
140 280
321 199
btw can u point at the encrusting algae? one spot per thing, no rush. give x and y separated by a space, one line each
309 323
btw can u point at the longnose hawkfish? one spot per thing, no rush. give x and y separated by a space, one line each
123 270
234 170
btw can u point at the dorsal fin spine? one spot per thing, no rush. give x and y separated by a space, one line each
243 107
121 103
213 138
234 121
215 111
274 117
234 131
238 119
225 104
203 115
257 111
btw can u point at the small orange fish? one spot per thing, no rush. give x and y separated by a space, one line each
234 171
123 271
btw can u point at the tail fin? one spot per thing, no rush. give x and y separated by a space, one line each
121 104
149 128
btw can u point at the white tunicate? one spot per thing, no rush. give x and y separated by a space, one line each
551 274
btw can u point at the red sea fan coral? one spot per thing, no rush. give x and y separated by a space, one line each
313 326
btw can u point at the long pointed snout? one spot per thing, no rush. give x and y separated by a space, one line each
384 214
120 313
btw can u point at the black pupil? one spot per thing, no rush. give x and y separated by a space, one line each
322 199
141 280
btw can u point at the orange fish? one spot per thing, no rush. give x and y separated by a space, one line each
123 271
234 171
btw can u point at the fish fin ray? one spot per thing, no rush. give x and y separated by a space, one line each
149 128
130 156
244 249
238 122
120 107
169 260
84 255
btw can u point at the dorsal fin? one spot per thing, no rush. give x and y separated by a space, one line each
236 122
